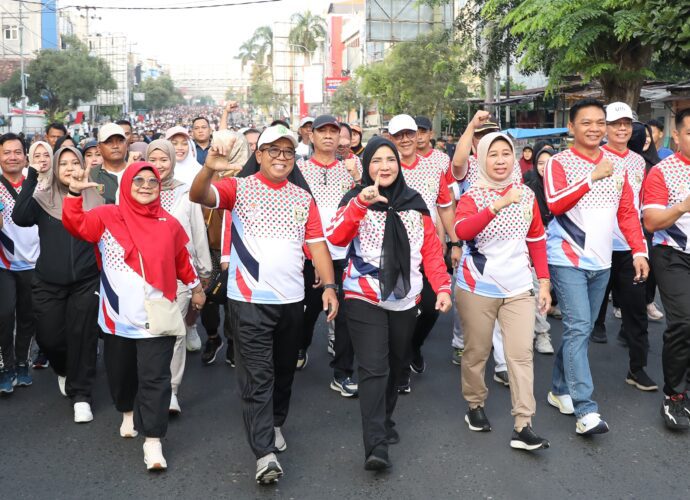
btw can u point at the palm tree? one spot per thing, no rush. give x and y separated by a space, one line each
307 33
248 52
263 39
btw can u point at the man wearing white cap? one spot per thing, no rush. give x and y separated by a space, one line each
270 216
304 146
112 144
630 296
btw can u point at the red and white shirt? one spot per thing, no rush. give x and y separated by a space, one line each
19 247
667 184
496 257
364 228
441 159
635 166
428 178
585 212
328 185
270 224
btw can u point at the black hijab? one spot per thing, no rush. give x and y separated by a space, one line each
536 183
394 269
636 144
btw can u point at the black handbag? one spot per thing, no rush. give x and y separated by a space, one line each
217 290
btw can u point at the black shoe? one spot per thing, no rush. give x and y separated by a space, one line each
598 334
641 380
302 359
477 421
527 439
230 355
377 460
675 412
40 361
502 378
211 348
405 388
417 365
392 436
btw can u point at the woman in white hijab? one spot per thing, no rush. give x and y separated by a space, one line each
499 221
41 158
186 166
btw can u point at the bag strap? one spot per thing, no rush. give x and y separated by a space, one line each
9 187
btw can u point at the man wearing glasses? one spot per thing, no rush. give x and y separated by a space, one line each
328 179
428 178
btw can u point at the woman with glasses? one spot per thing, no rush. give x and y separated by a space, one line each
144 253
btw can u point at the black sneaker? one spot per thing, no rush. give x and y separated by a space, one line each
211 348
40 361
686 404
377 460
528 440
502 378
417 365
477 421
675 412
598 335
405 388
230 355
641 380
392 436
302 359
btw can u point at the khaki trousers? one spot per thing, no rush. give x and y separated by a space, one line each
515 316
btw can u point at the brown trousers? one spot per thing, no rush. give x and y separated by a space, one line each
515 316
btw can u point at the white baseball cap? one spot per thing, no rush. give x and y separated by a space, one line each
108 130
272 134
305 120
617 110
401 122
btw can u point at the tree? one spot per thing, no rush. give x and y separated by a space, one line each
247 52
308 32
61 79
349 97
260 94
160 92
396 84
263 40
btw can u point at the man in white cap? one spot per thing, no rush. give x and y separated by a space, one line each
112 144
429 179
304 146
630 296
270 217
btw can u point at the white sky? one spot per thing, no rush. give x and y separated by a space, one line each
204 36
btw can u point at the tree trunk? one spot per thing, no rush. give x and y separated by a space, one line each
626 83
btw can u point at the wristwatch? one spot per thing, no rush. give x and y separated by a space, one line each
456 244
332 286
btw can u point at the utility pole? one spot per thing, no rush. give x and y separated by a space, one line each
21 65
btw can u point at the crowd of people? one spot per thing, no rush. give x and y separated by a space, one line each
141 240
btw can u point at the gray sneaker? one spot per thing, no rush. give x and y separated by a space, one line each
268 469
542 343
281 445
457 355
502 378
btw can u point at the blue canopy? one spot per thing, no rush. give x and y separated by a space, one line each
528 133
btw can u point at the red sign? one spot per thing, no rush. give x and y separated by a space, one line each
333 82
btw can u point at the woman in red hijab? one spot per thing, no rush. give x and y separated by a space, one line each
143 253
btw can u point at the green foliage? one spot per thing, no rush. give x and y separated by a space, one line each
60 79
258 48
308 32
160 93
260 93
420 77
348 97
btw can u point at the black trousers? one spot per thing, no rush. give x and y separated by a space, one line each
65 319
651 278
428 315
381 340
139 379
313 306
672 268
15 304
210 314
266 342
632 299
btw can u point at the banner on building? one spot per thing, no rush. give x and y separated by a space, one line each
313 84
334 82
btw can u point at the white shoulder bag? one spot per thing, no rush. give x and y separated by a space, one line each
164 316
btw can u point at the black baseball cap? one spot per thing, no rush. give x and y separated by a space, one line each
423 122
323 120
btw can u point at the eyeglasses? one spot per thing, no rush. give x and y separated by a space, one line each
410 134
151 182
274 152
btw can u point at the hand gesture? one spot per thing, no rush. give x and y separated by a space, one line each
603 170
217 159
232 106
443 302
641 269
79 180
544 297
330 303
41 169
370 194
351 166
514 195
480 118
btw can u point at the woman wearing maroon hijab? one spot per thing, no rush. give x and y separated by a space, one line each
143 253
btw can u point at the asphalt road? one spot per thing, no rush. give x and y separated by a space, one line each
46 455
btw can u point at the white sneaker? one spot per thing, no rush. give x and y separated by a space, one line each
127 429
268 469
174 408
193 340
82 413
591 424
61 385
281 445
653 313
564 403
542 343
617 312
153 456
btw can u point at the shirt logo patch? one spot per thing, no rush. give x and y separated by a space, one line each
527 213
618 180
300 215
431 185
345 186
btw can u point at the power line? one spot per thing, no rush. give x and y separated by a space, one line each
170 7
